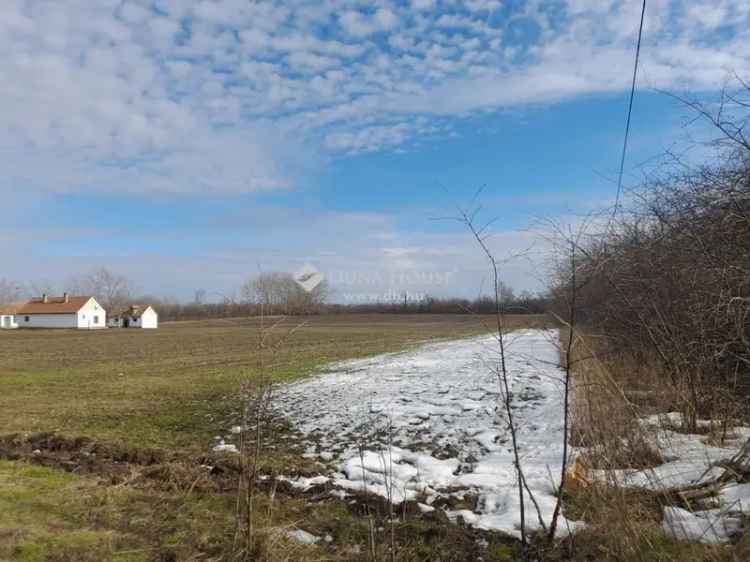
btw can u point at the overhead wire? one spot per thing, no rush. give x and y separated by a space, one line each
630 113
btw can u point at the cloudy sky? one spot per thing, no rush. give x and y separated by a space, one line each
189 143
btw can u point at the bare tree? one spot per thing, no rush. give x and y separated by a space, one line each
256 395
500 290
109 288
199 296
279 292
10 291
568 249
506 294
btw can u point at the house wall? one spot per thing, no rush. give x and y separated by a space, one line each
91 316
48 320
149 319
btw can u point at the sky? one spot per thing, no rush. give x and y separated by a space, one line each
190 144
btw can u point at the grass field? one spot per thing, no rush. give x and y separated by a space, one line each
171 389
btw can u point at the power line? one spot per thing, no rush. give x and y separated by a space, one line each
630 112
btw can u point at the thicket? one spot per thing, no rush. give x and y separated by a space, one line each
668 280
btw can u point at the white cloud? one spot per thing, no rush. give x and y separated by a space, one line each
134 13
422 4
483 5
386 18
311 61
357 24
116 82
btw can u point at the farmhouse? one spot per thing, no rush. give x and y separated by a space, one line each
134 316
8 316
67 311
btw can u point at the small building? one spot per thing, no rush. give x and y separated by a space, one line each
81 312
8 316
134 316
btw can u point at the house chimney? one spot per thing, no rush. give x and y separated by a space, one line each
44 298
66 298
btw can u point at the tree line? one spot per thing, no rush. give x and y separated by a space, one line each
268 293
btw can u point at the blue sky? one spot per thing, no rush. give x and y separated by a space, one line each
190 143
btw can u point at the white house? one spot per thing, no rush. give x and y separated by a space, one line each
134 316
8 316
66 311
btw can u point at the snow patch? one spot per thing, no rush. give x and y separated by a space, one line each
223 447
708 527
692 460
304 484
429 423
302 536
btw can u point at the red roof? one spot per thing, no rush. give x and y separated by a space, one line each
10 308
54 305
133 311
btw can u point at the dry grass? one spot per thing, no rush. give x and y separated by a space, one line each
605 417
612 391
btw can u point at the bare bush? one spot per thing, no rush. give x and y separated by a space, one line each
671 281
663 305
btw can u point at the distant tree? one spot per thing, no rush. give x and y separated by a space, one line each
279 292
199 296
505 294
10 291
110 289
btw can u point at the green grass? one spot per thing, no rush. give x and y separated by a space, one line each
40 518
47 515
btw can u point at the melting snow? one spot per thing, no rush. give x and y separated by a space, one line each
429 422
691 459
302 536
709 527
223 447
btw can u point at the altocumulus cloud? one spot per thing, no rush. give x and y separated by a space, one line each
235 96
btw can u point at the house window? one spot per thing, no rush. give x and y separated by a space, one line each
96 319
25 318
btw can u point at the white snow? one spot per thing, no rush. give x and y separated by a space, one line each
709 527
223 447
304 484
302 536
430 422
690 459
736 497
